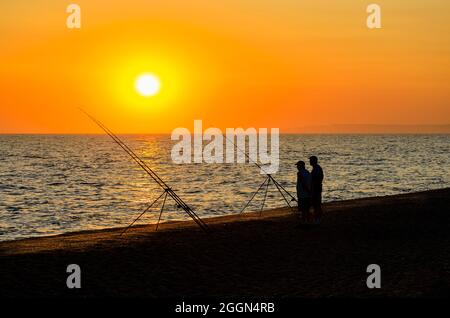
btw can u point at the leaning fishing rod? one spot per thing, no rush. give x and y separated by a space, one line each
167 190
155 177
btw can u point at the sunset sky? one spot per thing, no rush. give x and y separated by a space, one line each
289 64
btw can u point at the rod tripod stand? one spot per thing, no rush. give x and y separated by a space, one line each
164 194
269 179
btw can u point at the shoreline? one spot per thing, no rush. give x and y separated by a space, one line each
186 224
247 255
214 220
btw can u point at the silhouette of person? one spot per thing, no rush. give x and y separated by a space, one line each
303 190
316 188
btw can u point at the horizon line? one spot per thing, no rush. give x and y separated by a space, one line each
331 129
283 133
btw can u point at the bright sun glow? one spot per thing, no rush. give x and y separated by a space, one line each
148 85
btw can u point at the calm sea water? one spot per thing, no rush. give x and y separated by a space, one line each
61 183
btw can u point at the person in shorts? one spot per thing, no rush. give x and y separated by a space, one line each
303 191
316 188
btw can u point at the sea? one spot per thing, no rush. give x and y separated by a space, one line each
53 184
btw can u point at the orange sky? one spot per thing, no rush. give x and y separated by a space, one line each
235 63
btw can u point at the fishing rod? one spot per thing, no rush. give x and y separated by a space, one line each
167 190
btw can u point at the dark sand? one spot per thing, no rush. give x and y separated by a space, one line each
407 235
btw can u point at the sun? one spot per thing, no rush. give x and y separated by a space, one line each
147 85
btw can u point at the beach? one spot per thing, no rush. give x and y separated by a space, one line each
249 255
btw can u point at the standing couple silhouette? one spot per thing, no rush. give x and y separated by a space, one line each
309 191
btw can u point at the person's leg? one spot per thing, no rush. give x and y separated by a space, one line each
300 209
318 213
318 208
307 208
303 211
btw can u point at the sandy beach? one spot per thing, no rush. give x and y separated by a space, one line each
247 255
